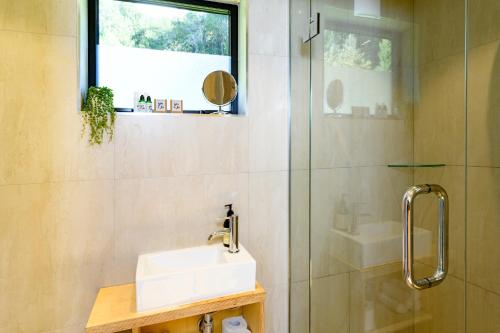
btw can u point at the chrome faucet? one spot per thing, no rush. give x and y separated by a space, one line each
232 232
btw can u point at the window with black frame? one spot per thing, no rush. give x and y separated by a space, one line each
162 49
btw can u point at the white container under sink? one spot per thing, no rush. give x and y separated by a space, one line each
376 244
183 276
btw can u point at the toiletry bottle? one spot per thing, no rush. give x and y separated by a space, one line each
149 104
141 105
343 217
229 213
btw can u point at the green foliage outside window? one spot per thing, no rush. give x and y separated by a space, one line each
345 49
122 24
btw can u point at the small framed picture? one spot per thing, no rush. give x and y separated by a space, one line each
160 105
176 105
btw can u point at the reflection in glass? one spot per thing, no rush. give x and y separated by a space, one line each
357 71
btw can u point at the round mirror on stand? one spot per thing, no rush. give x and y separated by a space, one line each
220 88
335 95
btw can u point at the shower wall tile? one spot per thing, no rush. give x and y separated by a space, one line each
299 85
268 27
268 226
343 142
268 104
154 145
299 307
299 115
483 114
483 228
440 29
55 17
426 214
38 116
330 304
277 300
483 21
445 305
299 224
440 112
52 284
483 308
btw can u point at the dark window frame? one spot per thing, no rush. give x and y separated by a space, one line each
195 5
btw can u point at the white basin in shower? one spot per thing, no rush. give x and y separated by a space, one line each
376 244
182 276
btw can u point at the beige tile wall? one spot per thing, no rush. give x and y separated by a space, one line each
440 118
483 151
74 218
440 132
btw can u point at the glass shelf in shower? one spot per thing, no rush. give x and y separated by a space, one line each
416 165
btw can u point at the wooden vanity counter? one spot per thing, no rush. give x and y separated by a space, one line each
114 310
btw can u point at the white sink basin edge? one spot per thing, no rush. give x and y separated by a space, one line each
376 244
177 277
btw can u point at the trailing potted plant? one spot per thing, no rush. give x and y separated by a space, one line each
98 114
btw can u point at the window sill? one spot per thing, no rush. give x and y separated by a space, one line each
174 115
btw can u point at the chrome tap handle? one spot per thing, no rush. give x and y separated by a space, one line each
220 233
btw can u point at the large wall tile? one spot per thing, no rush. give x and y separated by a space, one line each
41 129
483 115
330 304
268 228
483 227
483 21
56 240
276 309
440 113
446 306
483 308
440 29
268 27
268 110
299 307
56 17
299 225
162 146
341 142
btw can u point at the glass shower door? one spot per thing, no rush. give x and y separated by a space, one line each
379 98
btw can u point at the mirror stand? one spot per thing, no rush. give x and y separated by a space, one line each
220 111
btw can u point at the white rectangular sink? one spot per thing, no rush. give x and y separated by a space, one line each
182 276
376 244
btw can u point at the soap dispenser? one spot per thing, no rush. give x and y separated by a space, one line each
342 217
229 213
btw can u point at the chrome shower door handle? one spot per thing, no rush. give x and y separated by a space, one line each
408 241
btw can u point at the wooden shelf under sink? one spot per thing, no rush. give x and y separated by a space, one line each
114 311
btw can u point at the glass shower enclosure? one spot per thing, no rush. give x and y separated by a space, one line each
394 166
